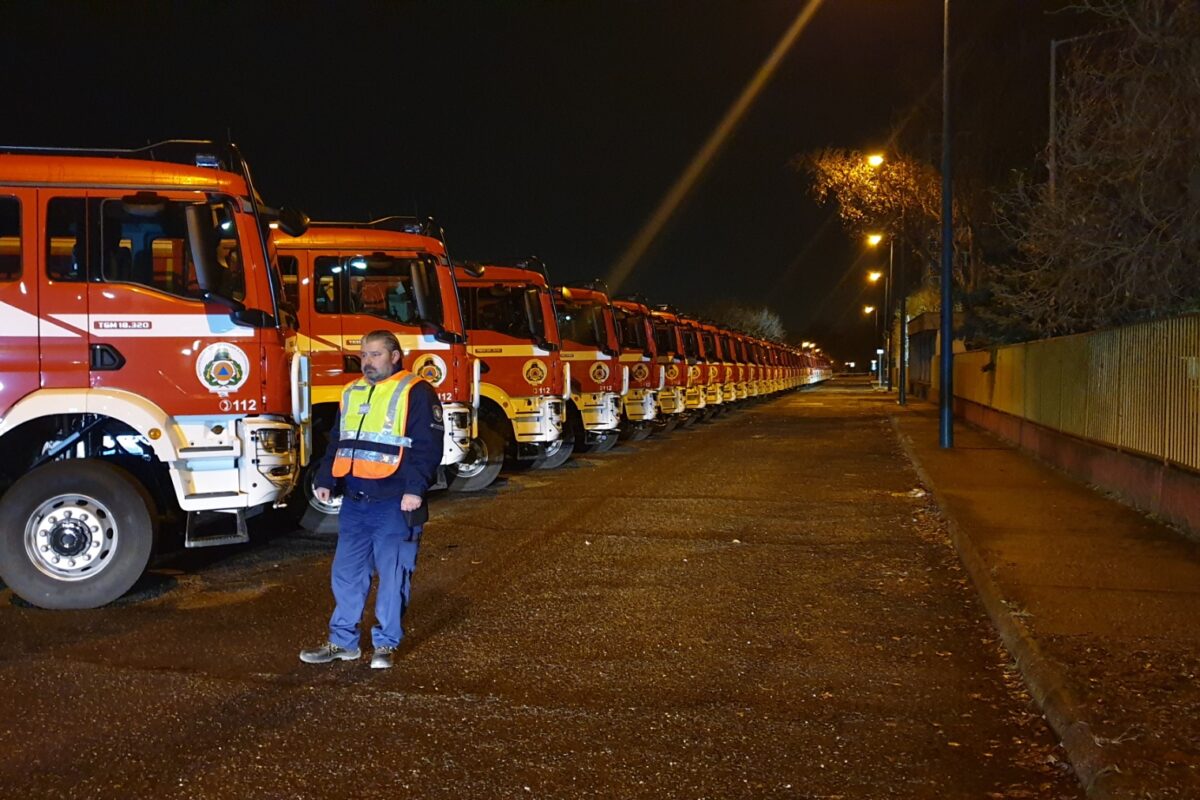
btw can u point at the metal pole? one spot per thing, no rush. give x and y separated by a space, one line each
1051 144
888 291
902 295
946 417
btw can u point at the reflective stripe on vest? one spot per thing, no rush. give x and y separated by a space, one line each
371 445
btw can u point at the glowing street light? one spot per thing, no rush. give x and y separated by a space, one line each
868 309
873 239
875 159
874 275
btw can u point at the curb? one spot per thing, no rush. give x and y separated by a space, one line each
1046 682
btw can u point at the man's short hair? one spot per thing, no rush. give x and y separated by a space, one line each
388 339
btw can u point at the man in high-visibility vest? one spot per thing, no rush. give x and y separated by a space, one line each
385 447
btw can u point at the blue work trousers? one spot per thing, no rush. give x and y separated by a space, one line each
373 536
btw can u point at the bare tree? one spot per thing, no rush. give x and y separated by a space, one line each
1116 236
902 196
761 322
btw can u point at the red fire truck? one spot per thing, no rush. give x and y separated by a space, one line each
668 343
524 381
348 279
598 379
149 378
646 376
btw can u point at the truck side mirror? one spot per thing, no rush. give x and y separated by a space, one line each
293 222
202 240
419 272
532 299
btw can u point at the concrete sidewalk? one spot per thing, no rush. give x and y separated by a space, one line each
1099 605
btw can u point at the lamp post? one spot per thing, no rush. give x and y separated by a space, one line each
890 297
875 276
946 398
869 311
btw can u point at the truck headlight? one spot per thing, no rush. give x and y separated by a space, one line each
275 441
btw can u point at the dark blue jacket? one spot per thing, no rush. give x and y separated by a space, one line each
418 468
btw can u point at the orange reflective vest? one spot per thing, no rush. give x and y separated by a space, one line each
374 427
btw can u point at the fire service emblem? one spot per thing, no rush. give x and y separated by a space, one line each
599 372
640 372
222 368
673 372
535 372
431 368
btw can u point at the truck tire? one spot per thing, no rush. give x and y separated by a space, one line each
607 443
558 452
75 534
483 463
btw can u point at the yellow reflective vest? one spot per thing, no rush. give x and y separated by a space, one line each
374 428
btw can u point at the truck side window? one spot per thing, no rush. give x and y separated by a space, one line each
147 243
10 239
66 239
327 289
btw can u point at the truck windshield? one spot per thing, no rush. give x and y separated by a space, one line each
710 348
632 329
664 338
582 324
501 309
690 344
391 287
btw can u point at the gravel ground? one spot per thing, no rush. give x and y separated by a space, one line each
764 606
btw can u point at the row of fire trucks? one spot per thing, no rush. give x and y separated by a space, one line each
172 351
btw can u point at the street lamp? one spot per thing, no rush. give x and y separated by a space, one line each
875 159
868 311
874 240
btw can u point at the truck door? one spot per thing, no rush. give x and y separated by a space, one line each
18 295
148 330
334 362
62 299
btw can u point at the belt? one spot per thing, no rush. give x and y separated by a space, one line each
363 497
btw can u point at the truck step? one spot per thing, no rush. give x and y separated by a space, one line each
213 528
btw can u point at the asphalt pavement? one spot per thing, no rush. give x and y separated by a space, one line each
769 605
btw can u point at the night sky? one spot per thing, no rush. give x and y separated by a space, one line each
548 128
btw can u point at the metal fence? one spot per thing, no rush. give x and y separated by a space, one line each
1135 388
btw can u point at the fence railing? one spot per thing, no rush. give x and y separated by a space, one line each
1136 388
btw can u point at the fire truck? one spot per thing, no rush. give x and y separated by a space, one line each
348 279
598 379
668 344
734 345
646 376
524 382
149 379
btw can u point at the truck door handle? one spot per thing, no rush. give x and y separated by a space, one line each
106 358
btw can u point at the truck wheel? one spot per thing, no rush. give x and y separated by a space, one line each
557 453
313 515
303 507
483 462
75 534
669 423
640 431
605 444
